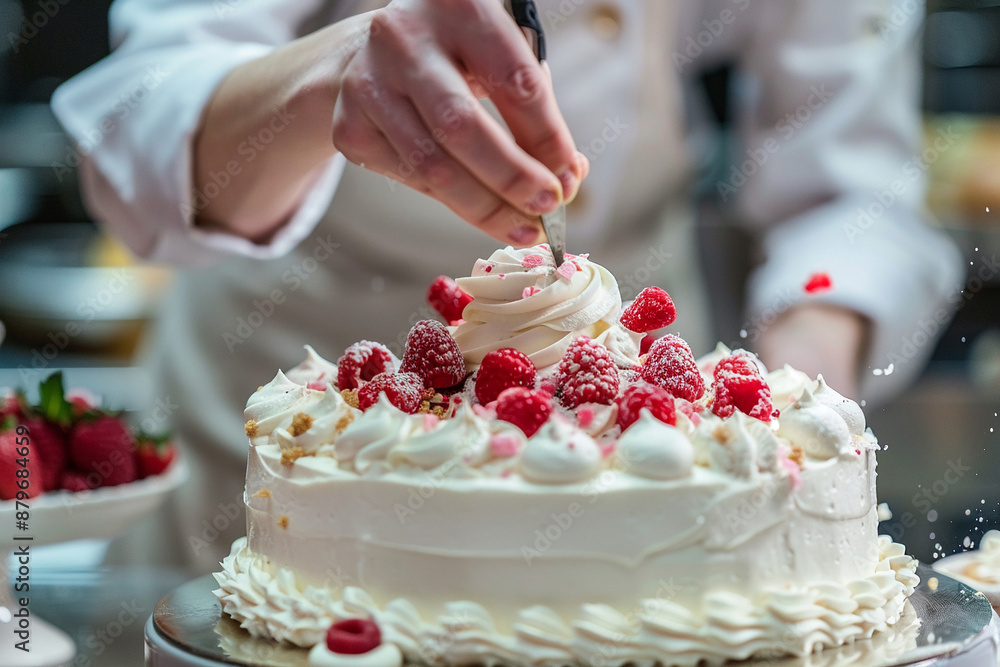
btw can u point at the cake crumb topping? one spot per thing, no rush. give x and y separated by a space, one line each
263 493
350 397
283 521
290 456
250 427
300 424
797 455
344 422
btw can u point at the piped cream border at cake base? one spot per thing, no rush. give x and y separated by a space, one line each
795 620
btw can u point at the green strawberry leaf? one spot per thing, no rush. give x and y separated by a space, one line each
52 403
159 441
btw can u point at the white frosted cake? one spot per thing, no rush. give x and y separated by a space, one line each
531 485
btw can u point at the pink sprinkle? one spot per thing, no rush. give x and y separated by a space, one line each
455 400
503 445
571 445
584 417
858 452
609 449
793 473
695 418
568 256
318 386
430 420
566 270
529 291
483 411
818 282
501 276
532 261
488 268
505 474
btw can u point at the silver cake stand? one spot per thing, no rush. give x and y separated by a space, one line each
947 624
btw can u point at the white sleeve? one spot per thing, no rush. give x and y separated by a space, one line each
833 172
133 115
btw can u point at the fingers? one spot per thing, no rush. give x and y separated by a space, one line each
396 144
498 57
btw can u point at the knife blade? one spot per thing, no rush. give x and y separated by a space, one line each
525 14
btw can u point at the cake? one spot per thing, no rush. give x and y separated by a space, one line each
541 482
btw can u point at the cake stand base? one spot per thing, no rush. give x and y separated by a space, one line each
947 624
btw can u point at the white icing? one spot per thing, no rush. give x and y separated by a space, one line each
329 417
798 618
787 384
848 410
465 436
383 655
543 324
726 446
274 405
559 453
313 369
815 427
650 448
371 436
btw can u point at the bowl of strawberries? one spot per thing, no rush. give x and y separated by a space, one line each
77 469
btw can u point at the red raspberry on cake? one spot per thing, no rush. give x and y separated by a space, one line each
587 374
353 636
652 309
670 364
739 386
361 362
502 369
404 390
448 299
433 354
525 408
644 395
103 446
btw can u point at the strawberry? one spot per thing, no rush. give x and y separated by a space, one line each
587 374
434 355
644 395
652 309
404 390
152 454
361 362
503 369
524 408
353 636
738 385
14 463
50 445
103 446
448 299
671 365
73 481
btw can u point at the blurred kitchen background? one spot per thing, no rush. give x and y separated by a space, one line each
57 268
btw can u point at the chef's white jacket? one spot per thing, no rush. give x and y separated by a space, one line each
829 169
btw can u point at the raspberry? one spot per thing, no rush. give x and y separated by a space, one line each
503 369
587 374
433 354
448 299
103 446
671 365
644 395
652 309
353 636
524 408
646 343
361 362
404 390
739 386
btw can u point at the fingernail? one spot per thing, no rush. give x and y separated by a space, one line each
570 183
523 235
544 202
581 166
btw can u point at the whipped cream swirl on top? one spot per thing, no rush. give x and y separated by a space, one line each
521 301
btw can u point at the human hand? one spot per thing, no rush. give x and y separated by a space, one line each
818 339
407 108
